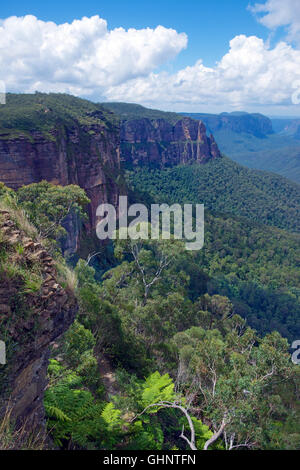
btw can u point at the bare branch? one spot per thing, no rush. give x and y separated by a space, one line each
91 256
217 434
165 404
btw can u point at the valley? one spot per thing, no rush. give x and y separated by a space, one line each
105 340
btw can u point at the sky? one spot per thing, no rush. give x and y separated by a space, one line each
193 56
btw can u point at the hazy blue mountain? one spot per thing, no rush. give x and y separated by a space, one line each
257 141
239 122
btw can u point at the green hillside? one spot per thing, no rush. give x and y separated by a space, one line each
226 187
255 265
276 153
160 324
248 140
41 112
130 111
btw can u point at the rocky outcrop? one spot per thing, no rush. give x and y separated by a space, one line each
31 317
65 140
88 156
160 143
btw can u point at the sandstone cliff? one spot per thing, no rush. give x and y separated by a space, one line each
34 310
64 140
86 156
160 143
150 137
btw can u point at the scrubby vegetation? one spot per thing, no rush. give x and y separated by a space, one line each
130 111
45 113
205 368
18 438
47 206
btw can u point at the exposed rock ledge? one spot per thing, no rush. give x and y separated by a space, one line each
46 314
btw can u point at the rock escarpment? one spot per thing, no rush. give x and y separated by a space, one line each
34 310
160 143
86 156
64 140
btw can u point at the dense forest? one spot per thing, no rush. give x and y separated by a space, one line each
226 187
154 347
154 360
255 265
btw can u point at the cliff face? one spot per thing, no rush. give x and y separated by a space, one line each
66 140
34 311
160 143
86 156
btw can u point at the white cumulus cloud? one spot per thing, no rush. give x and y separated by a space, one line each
82 57
277 13
85 58
249 74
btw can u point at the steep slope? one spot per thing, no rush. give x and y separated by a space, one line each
68 140
34 310
255 265
155 140
159 139
226 187
61 139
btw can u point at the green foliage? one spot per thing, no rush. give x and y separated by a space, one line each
73 414
48 112
226 187
237 380
266 309
47 205
5 191
130 111
77 340
152 317
114 425
277 153
249 140
229 371
157 388
255 266
56 413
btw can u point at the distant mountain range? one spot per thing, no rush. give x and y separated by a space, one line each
289 127
239 122
172 146
257 141
253 140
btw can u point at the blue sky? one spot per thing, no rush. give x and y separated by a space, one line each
209 56
210 25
